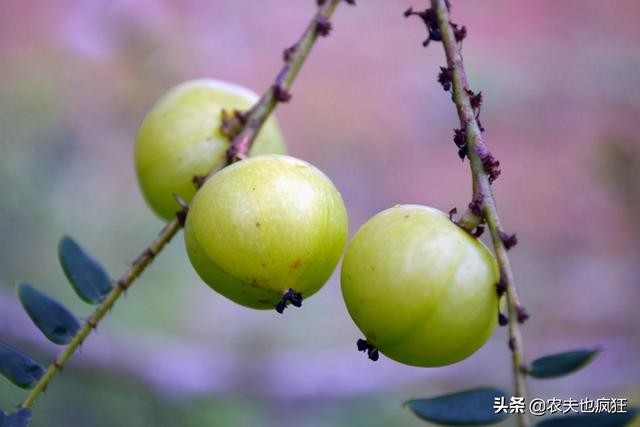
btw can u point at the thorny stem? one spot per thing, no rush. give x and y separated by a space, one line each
240 145
476 149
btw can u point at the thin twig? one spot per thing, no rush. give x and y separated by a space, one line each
477 153
239 148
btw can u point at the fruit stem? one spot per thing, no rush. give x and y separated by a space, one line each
258 114
482 176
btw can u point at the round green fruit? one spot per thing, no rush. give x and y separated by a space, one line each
421 289
264 225
181 138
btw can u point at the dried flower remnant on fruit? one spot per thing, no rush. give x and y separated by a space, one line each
372 351
291 296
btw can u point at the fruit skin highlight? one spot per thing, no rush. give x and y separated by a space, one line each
180 138
264 225
420 288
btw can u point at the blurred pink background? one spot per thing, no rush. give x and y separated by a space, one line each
562 105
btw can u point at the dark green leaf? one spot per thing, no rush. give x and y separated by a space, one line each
52 318
591 420
19 368
556 365
87 276
21 418
470 407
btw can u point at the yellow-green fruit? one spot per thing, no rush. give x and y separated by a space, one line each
180 138
421 289
264 225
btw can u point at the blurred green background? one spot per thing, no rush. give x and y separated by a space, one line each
562 103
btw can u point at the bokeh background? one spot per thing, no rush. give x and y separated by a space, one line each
562 105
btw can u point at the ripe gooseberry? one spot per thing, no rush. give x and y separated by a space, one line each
420 288
180 138
264 225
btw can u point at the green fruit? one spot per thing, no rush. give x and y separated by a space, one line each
181 138
264 225
421 289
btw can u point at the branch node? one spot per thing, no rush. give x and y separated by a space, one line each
475 99
502 319
459 33
181 215
522 313
288 53
478 231
490 163
430 20
198 180
501 286
121 284
444 78
476 205
323 25
281 93
231 124
509 240
460 139
149 252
